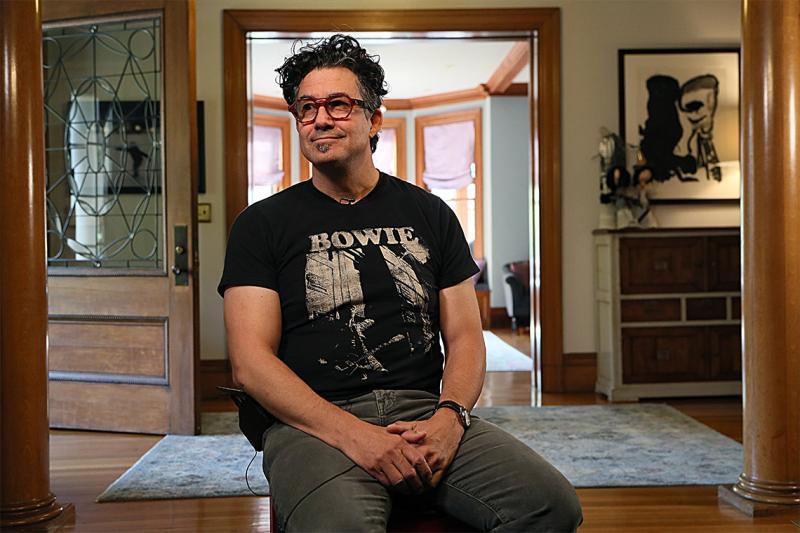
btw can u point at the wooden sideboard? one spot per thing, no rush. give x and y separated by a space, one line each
668 312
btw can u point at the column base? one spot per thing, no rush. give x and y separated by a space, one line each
39 515
779 492
753 508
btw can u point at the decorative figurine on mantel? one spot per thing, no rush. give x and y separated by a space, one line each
624 201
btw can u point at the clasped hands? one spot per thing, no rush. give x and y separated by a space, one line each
411 457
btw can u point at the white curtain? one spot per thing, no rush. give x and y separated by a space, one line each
449 155
267 150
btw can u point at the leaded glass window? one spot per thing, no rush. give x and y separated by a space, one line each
104 144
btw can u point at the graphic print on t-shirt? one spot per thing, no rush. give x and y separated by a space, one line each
335 292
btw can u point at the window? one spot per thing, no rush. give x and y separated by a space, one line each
270 169
449 164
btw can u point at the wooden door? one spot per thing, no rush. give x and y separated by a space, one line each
121 216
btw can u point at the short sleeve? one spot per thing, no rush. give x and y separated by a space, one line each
457 263
248 257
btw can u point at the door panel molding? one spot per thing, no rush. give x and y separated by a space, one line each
97 297
110 349
96 377
124 407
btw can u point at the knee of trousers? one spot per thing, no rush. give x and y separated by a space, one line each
567 511
559 511
351 501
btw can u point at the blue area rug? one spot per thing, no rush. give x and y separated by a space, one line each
594 446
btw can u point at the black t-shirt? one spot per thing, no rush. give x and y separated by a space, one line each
358 284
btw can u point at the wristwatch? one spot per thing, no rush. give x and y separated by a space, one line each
463 414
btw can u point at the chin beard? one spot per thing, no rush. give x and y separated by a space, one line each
323 147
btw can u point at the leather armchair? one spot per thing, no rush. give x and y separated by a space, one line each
516 287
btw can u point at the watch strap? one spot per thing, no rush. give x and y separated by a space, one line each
460 410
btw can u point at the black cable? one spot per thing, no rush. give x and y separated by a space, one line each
248 481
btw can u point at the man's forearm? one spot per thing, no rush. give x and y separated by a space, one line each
464 371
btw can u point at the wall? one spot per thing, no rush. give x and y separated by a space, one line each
507 192
592 32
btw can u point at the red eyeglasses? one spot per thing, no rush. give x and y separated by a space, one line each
338 105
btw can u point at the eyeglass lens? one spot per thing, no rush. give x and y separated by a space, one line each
339 107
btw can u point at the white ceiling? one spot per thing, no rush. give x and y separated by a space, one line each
414 67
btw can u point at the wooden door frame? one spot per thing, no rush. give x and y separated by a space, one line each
541 24
184 412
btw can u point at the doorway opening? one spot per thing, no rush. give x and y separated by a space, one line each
253 116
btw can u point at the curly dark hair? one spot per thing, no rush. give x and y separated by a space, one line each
336 51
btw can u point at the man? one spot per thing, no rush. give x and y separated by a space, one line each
336 290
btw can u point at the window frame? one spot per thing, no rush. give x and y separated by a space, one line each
398 124
284 124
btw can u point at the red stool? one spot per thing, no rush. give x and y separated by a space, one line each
406 518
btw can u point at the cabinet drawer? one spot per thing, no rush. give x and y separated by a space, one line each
658 355
724 263
650 310
706 309
725 351
661 265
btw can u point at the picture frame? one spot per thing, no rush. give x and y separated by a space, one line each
679 116
201 146
136 119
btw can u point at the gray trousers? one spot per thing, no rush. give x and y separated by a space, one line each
495 482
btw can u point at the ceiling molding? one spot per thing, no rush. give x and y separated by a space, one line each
398 104
452 97
404 104
515 89
260 101
512 64
433 100
269 102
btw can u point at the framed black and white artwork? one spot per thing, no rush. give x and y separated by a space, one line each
680 109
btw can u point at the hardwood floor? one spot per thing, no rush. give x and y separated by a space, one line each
84 463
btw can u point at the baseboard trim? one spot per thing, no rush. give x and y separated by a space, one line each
499 318
577 373
214 373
